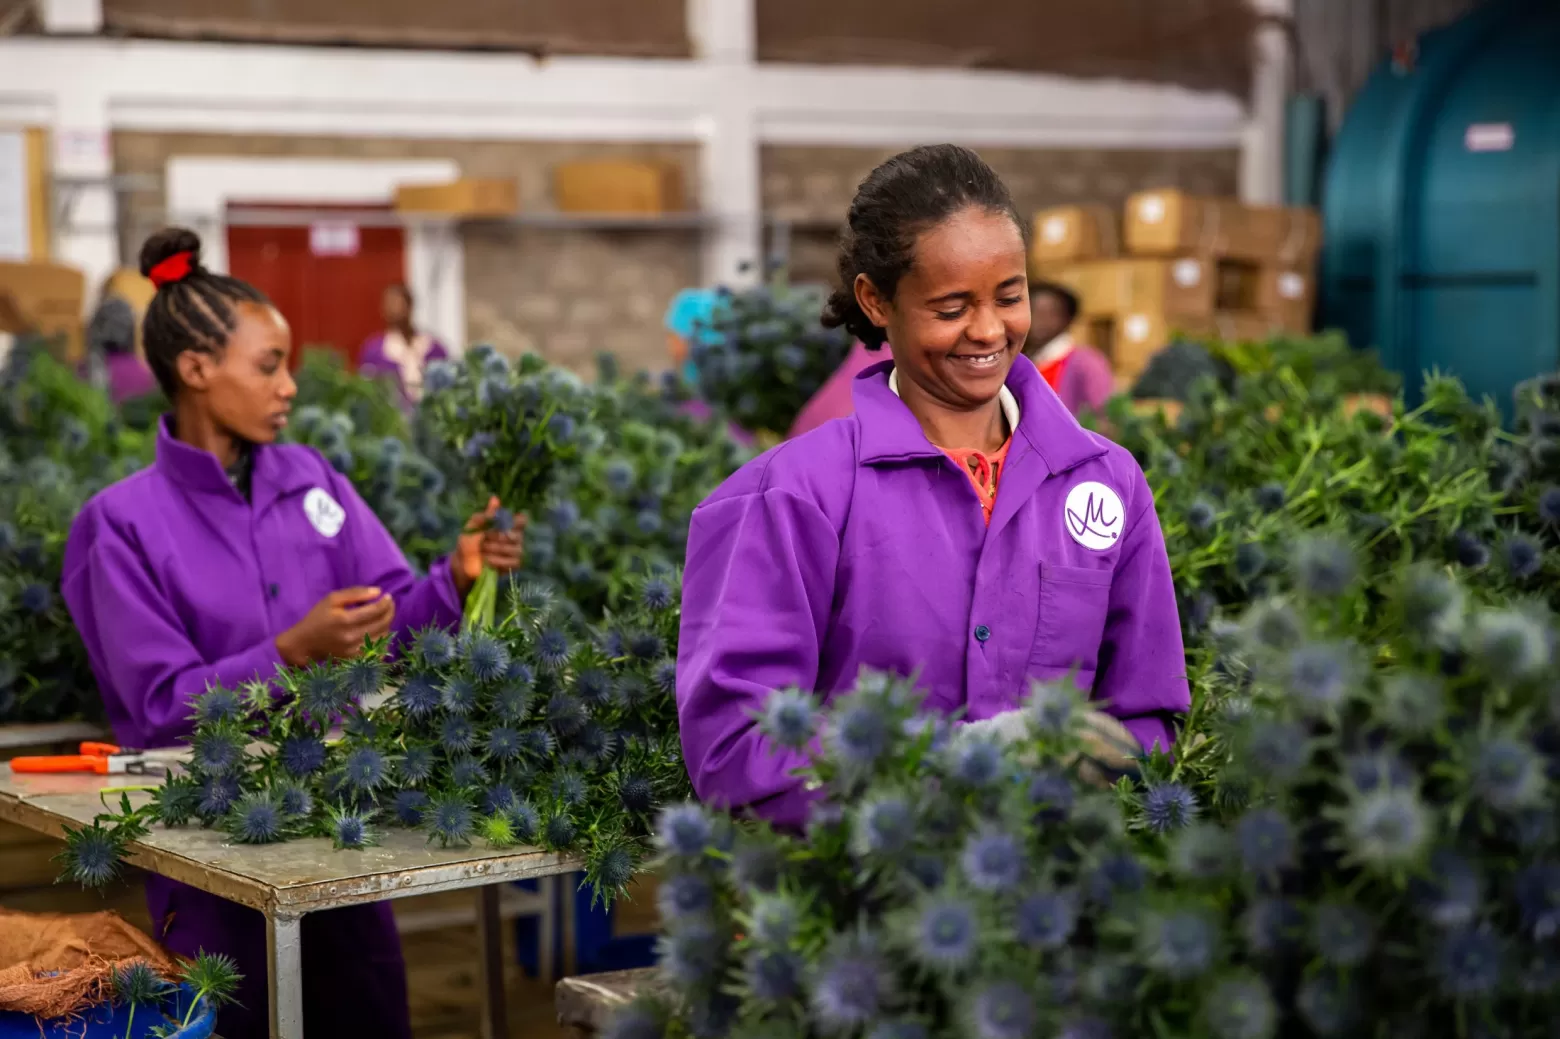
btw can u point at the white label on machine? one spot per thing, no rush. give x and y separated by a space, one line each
1187 273
1490 137
1137 327
15 198
1151 209
1291 285
1053 229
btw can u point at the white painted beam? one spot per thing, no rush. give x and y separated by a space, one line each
725 37
1262 144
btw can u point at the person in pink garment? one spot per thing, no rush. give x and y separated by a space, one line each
833 399
402 350
1080 375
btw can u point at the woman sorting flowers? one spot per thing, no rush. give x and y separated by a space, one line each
232 556
960 526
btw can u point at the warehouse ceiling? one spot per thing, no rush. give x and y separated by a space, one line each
1195 43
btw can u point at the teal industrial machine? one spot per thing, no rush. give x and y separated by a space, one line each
1441 203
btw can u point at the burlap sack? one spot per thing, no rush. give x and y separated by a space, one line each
55 965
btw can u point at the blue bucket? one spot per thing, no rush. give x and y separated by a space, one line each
109 1022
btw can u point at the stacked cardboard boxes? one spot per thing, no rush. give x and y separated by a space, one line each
1198 266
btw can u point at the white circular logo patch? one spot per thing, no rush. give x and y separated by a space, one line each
1291 285
1053 229
325 513
1187 273
1151 209
1094 516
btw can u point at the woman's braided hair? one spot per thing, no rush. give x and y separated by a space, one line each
193 310
905 196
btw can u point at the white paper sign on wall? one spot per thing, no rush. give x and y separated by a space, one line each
334 239
15 220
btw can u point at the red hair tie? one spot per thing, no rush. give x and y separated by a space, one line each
174 269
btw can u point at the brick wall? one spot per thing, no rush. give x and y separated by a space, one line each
814 185
566 294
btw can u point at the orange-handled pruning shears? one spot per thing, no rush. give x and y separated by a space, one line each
105 759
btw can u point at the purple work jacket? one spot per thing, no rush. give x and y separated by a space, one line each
128 377
860 544
372 362
1087 381
177 583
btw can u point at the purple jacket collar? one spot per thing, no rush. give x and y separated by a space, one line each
200 470
890 433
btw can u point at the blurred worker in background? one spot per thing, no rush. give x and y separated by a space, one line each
400 350
1079 374
834 398
111 345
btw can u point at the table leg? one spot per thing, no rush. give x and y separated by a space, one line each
490 940
284 980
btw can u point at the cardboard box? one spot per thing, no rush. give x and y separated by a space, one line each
1167 222
1288 295
467 197
618 186
1074 233
1188 286
1131 339
46 298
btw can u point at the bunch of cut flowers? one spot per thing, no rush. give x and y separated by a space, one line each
537 731
1383 860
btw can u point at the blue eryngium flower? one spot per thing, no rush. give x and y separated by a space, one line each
449 820
456 735
1324 566
657 595
1240 1007
1250 560
415 765
1200 516
773 975
690 955
255 819
774 919
789 718
323 693
1045 919
1469 964
1328 1004
294 799
977 763
1387 827
859 732
36 598
883 826
992 861
467 772
458 696
1266 841
1051 708
945 934
663 677
364 770
1342 934
218 704
1468 550
487 657
684 896
1549 505
1169 806
436 647
1524 557
1272 925
1511 644
1319 674
418 697
217 794
1003 1010
217 751
552 648
1052 795
409 807
566 714
503 744
91 856
362 678
684 830
350 830
849 990
1270 497
1180 943
1508 774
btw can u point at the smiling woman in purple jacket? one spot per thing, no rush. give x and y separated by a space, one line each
229 557
960 525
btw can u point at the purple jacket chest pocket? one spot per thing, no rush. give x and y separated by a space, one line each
1074 602
309 531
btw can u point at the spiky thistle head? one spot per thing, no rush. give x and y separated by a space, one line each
487 658
418 697
850 988
93 855
365 770
137 983
1324 566
218 750
322 693
435 648
1179 943
362 677
560 831
218 705
415 765
552 648
457 735
883 826
351 829
213 976
449 820
256 819
684 830
459 695
992 861
1169 806
409 806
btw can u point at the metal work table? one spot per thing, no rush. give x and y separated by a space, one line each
286 881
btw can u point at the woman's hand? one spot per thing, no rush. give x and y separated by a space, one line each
493 540
336 627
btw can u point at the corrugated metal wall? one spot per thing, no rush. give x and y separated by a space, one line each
1339 42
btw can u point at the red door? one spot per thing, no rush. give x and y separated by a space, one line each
327 278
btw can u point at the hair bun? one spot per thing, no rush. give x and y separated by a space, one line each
170 241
